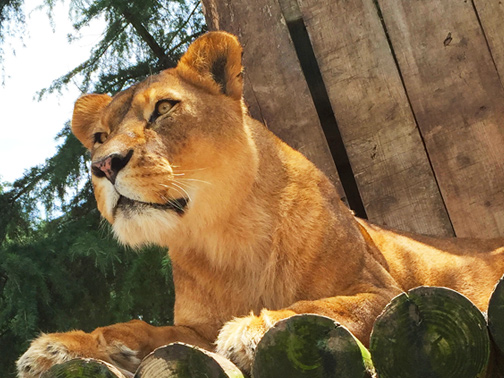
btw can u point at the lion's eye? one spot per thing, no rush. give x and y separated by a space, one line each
162 107
100 137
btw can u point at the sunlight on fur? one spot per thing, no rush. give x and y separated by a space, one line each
148 227
252 226
44 352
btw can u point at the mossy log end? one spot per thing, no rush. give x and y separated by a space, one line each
496 315
430 332
84 368
186 361
310 346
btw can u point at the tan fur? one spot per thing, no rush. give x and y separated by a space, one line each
264 235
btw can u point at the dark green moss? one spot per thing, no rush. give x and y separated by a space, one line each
496 315
185 361
79 369
308 346
430 332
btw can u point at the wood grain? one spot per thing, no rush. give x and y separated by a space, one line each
458 101
384 146
179 360
85 368
430 332
310 346
491 14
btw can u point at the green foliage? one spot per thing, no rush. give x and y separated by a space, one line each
70 273
141 37
67 271
11 20
60 268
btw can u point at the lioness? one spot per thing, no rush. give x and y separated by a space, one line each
256 232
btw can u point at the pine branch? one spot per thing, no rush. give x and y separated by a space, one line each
3 281
189 38
2 333
28 187
148 38
186 21
113 33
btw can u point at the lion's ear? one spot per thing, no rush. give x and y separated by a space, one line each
86 113
213 62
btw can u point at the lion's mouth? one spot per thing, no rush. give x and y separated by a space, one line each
178 205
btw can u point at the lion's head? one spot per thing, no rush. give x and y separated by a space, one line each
173 150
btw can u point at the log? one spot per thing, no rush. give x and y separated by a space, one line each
310 346
430 332
496 315
496 365
84 368
183 360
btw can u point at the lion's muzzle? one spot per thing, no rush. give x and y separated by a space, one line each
110 166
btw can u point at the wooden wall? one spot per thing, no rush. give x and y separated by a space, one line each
400 102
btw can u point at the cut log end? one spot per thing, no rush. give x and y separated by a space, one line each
430 332
182 360
310 346
84 368
496 315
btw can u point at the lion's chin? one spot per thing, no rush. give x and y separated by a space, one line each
144 224
132 207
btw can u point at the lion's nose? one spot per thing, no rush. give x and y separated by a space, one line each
111 165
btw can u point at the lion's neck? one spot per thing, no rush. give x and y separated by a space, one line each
240 239
257 236
232 220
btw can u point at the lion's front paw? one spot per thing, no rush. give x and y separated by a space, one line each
239 337
44 352
55 348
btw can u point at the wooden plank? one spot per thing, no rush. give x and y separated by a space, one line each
491 14
274 86
458 102
384 146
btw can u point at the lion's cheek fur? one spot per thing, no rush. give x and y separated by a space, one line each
225 177
106 198
150 226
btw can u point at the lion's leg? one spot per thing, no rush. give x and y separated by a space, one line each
123 345
239 337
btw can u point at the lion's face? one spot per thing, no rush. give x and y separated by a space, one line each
171 149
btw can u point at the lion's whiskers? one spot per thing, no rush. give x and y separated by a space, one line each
192 179
182 189
182 184
178 188
174 168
